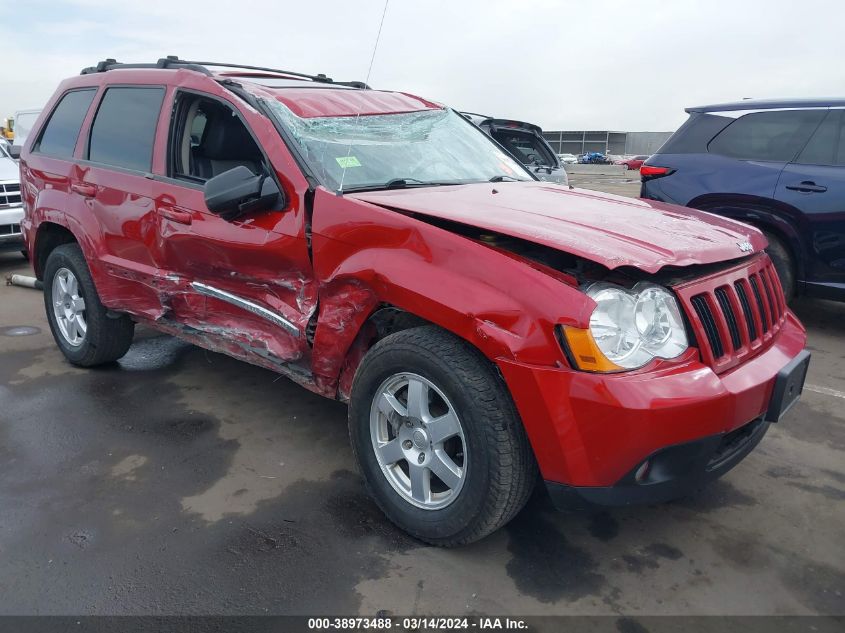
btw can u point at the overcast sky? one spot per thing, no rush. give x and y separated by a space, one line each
579 64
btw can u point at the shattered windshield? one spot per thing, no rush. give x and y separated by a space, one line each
429 147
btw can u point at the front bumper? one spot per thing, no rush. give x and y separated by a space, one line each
671 472
11 235
595 430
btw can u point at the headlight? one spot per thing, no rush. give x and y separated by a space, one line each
628 328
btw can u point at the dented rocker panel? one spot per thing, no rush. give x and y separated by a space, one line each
249 306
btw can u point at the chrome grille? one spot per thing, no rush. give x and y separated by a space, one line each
735 314
10 194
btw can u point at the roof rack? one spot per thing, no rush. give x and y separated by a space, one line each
173 61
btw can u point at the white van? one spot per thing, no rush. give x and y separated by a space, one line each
24 120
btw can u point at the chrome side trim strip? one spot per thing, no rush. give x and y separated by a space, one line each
249 306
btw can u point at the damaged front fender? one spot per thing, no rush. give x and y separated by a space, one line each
365 255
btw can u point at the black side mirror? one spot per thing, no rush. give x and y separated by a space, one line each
238 191
15 151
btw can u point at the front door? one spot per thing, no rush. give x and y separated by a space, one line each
246 284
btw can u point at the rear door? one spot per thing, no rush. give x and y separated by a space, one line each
713 155
764 142
48 170
114 180
814 183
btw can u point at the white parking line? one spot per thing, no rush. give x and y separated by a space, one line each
825 390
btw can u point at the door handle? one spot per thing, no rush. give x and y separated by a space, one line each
176 214
807 186
84 189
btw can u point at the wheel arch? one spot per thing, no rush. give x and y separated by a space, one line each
765 214
48 237
383 321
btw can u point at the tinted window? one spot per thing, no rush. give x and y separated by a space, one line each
60 133
527 147
827 147
777 136
124 128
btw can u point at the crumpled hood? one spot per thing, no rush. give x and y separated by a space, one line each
607 229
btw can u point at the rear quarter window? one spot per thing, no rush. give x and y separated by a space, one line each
124 127
694 135
528 148
767 136
827 147
62 129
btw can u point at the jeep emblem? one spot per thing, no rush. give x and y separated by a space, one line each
745 247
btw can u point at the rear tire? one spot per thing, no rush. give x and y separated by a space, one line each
489 445
784 263
81 325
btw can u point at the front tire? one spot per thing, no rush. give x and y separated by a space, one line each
782 258
84 331
438 438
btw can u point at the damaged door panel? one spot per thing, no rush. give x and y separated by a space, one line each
247 279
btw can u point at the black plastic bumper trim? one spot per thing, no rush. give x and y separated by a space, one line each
674 471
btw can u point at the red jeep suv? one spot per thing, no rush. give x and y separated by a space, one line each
378 248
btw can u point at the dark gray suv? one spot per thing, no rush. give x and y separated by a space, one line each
524 142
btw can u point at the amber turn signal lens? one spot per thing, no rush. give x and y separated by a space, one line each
584 351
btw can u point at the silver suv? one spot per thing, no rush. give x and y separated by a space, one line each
11 209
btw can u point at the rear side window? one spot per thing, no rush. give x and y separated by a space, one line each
827 147
124 128
526 147
775 136
62 129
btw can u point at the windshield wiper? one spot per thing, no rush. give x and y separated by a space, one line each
400 183
505 179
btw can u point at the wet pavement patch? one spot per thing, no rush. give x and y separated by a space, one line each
784 472
103 453
630 625
829 492
649 557
662 550
357 516
715 497
544 564
603 526
809 424
19 330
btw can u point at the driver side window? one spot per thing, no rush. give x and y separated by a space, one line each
209 138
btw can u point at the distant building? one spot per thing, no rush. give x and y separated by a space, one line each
606 142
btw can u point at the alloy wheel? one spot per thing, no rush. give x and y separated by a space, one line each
418 441
69 307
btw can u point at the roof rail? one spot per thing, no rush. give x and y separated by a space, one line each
173 61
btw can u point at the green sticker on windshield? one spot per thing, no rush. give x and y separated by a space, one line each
347 161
